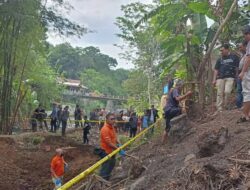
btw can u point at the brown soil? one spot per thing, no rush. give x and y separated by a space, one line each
201 161
25 160
204 159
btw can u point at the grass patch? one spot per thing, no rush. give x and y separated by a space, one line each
37 140
158 131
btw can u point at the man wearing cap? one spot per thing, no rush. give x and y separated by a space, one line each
109 143
245 77
225 72
57 168
172 108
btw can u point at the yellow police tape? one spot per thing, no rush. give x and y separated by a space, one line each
70 120
91 169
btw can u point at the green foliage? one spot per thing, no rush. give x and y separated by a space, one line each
24 70
71 62
103 83
143 53
181 74
202 8
170 61
136 86
37 140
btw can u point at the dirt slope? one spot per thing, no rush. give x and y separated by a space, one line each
199 161
25 161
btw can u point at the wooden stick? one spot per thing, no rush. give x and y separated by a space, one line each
81 186
67 148
117 183
102 180
131 156
89 184
243 146
240 161
138 159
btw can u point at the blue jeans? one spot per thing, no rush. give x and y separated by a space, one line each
239 97
107 168
57 182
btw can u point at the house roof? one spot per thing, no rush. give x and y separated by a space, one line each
73 83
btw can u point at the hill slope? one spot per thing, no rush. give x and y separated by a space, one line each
204 159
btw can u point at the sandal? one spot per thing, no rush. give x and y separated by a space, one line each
242 120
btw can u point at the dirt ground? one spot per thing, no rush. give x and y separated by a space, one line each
215 154
25 160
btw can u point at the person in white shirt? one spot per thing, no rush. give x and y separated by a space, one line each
245 77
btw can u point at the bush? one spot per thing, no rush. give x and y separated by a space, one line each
37 140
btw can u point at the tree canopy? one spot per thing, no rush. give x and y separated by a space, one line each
71 62
171 37
23 63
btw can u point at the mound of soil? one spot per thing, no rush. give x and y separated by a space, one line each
208 158
25 160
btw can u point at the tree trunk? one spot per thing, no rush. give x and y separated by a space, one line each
200 76
209 51
11 35
20 97
149 89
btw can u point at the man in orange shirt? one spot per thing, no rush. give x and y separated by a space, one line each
57 168
108 144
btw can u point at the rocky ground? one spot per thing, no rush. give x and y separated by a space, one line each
213 154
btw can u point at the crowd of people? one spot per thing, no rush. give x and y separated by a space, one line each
229 69
114 123
231 72
127 122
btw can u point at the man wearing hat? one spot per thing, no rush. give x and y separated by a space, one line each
245 77
172 108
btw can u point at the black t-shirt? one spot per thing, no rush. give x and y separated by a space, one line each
40 113
226 66
86 127
78 113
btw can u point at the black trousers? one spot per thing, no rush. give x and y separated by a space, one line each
170 114
59 122
107 168
53 125
133 132
85 138
64 125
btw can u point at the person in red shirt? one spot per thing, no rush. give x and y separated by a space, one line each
57 168
109 143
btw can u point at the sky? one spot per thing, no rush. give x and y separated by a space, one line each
98 16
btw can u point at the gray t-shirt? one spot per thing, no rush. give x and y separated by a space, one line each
248 49
242 61
172 102
65 115
246 78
